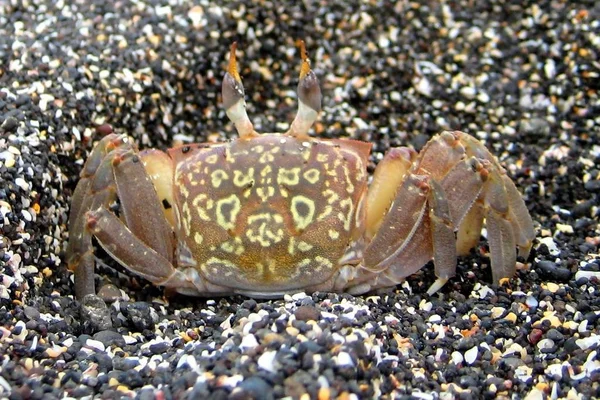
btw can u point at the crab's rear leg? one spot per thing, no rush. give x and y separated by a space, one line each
93 190
507 218
114 171
422 213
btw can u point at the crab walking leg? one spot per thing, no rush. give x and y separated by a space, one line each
518 214
442 235
427 233
469 230
92 191
133 254
417 227
80 196
114 171
519 218
503 252
399 226
434 211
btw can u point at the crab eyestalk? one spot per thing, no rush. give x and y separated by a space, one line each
233 94
309 98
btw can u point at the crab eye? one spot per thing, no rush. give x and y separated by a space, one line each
233 94
232 90
309 98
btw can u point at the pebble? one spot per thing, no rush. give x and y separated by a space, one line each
257 388
95 344
109 338
344 360
588 342
307 313
471 355
248 342
551 270
267 361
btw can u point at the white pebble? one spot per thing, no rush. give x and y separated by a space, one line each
95 344
68 87
588 342
14 150
468 92
554 370
591 364
545 344
483 97
196 14
523 373
471 355
435 319
423 86
344 360
587 274
267 361
582 327
26 215
457 357
129 339
20 182
425 305
299 296
551 245
248 342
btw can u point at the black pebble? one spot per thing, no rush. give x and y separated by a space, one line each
159 348
555 335
549 269
592 185
139 315
94 314
31 313
257 388
9 125
109 337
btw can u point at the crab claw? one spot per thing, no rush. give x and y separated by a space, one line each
233 94
309 98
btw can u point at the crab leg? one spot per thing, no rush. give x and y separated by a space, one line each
417 227
141 208
428 208
137 257
118 174
518 215
519 218
125 247
91 191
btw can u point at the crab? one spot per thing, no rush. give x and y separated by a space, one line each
268 214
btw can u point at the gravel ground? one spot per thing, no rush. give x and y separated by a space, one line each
522 78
